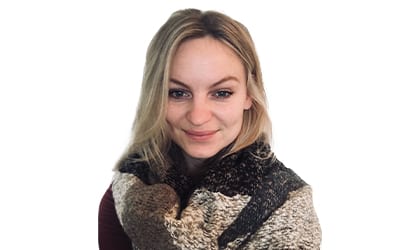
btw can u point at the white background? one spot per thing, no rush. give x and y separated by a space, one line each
70 73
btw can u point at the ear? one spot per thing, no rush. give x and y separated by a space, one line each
248 102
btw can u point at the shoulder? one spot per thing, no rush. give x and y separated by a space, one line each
294 225
111 235
275 191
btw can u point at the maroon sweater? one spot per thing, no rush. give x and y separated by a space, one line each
111 235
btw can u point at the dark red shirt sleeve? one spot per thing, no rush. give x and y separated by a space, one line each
111 235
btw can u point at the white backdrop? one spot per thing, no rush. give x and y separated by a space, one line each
70 74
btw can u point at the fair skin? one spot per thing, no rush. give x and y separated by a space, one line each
207 97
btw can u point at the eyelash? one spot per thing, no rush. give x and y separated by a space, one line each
225 94
179 94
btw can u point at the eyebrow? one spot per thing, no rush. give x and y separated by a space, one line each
227 78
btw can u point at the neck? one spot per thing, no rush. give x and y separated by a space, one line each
194 165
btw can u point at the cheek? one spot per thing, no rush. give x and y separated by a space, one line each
173 114
231 117
170 111
171 123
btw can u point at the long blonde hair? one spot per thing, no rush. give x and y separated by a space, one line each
150 138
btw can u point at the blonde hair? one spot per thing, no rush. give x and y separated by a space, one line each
150 138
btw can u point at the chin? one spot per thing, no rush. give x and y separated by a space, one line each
200 154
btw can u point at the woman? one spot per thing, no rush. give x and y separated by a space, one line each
199 173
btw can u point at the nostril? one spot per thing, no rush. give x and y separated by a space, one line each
199 114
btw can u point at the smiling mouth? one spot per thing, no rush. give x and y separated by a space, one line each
200 135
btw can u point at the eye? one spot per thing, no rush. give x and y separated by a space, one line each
222 94
179 94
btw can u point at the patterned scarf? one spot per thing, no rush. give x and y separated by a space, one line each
228 207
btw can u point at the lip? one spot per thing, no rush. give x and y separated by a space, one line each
203 135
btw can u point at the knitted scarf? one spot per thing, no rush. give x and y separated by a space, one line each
246 200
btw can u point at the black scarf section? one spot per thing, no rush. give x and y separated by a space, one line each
251 171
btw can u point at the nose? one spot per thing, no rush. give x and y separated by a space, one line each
199 112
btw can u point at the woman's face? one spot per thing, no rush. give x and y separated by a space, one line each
207 97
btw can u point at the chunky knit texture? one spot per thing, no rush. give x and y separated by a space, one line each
247 200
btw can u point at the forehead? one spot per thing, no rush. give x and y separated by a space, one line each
205 58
